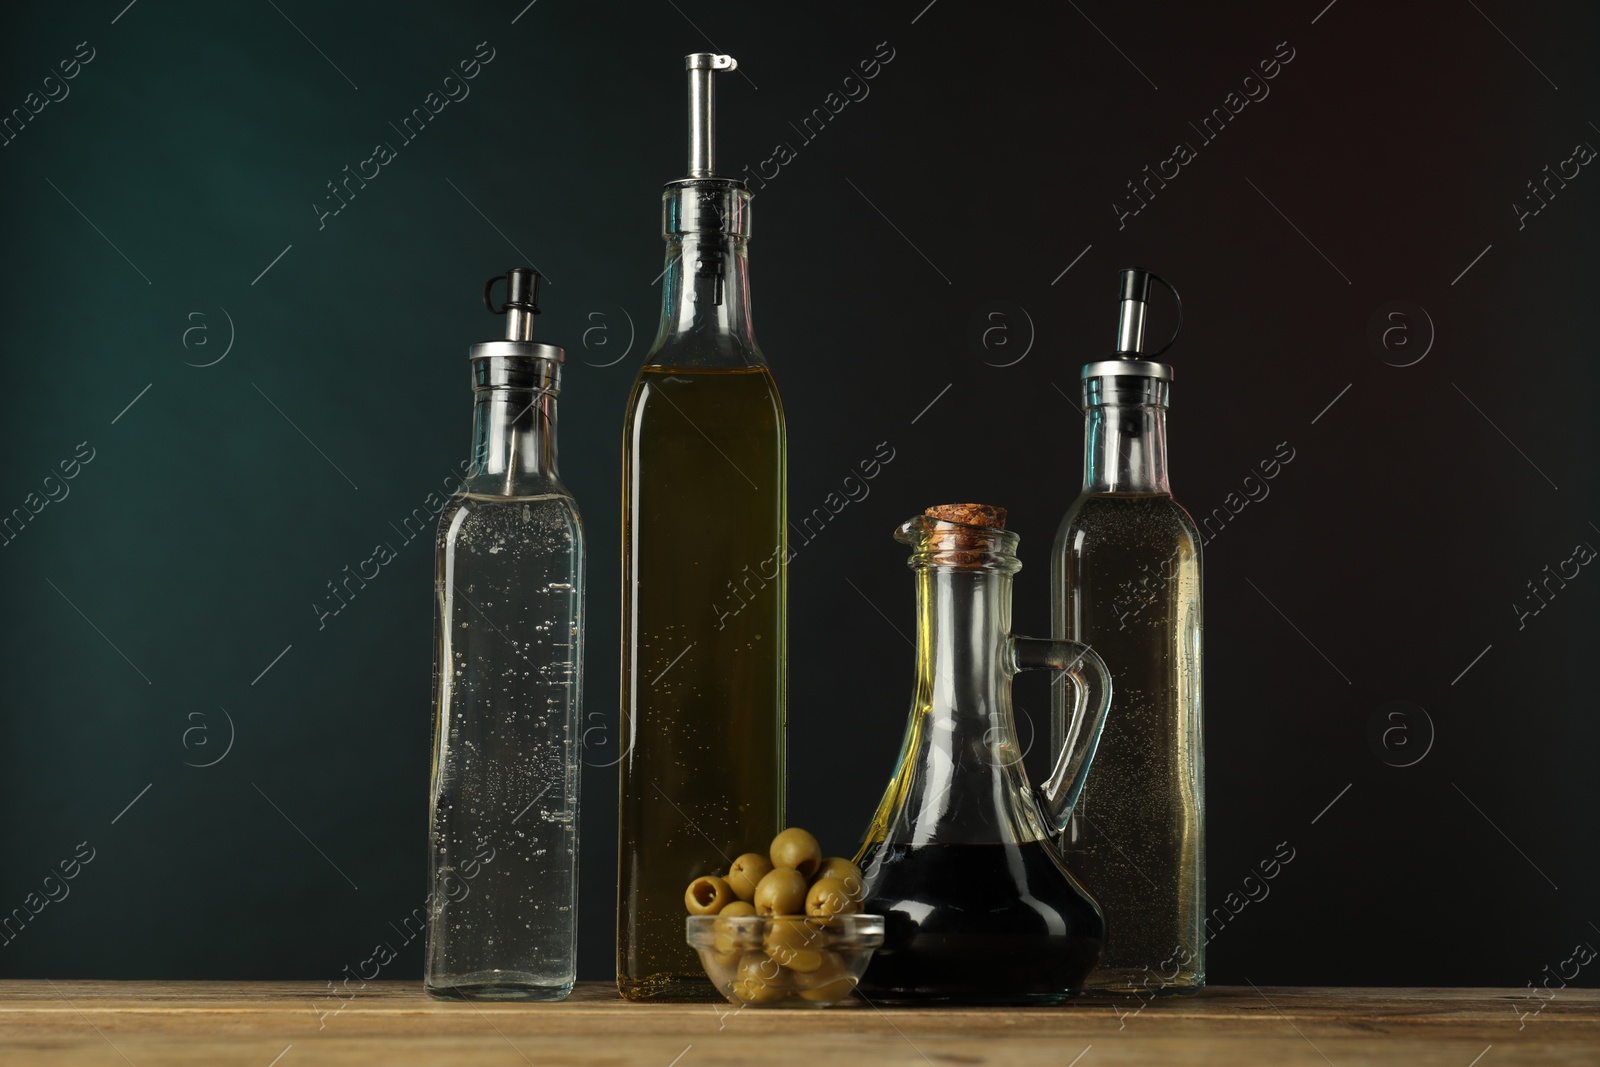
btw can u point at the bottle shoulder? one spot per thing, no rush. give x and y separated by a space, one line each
746 388
1102 516
706 350
550 517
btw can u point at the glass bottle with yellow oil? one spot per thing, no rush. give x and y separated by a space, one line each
1126 582
704 568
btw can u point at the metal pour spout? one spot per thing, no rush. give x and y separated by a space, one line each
702 67
1130 322
522 301
1131 361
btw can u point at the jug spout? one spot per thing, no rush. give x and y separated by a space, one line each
1083 669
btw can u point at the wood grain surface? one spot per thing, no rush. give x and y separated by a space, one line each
297 1024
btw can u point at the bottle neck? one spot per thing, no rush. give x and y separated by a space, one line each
705 289
705 297
960 779
963 620
513 427
1125 438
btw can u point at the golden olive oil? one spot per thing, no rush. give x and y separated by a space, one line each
704 554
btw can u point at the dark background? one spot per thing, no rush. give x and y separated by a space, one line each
1383 566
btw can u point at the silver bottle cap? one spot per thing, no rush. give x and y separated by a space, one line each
520 307
1131 361
517 361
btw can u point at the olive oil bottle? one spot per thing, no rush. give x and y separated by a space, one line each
1126 581
705 558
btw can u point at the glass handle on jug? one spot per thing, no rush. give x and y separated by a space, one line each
1082 668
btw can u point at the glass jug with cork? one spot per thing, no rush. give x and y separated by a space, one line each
960 858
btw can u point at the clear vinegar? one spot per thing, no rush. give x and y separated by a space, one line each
503 846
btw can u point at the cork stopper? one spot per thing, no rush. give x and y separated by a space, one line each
962 535
969 515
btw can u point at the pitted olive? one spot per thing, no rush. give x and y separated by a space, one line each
798 850
844 870
707 895
781 892
746 872
828 896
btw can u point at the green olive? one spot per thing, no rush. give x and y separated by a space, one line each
829 896
795 943
757 992
797 850
746 872
830 970
831 992
847 872
792 934
796 959
755 968
782 892
736 937
707 895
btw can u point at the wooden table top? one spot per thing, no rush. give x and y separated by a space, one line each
298 1024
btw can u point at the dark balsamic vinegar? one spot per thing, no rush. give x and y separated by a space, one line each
978 924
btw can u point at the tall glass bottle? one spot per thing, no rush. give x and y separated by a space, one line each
1126 581
508 655
704 569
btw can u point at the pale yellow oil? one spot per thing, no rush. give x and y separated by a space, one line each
1130 564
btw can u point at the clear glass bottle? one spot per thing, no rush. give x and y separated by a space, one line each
508 656
960 859
1126 581
705 555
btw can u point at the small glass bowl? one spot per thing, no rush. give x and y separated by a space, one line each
788 961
